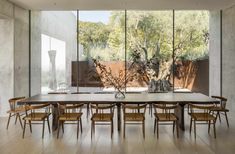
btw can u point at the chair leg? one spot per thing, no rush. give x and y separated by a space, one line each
190 126
111 129
30 126
214 129
43 127
20 121
62 122
24 128
219 116
209 125
81 124
124 130
225 113
173 126
8 121
177 128
16 117
143 125
91 128
194 129
94 126
88 110
157 129
151 110
77 128
58 131
48 124
155 121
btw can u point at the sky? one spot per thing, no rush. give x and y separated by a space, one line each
94 16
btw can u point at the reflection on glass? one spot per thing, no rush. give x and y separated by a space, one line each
53 48
53 63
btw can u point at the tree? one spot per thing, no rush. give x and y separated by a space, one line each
149 41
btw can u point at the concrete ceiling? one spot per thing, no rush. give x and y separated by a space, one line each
124 4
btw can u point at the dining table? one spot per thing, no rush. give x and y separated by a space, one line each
130 98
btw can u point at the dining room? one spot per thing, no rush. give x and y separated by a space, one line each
117 76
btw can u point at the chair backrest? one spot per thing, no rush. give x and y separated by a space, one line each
70 108
222 100
166 108
37 108
13 102
102 108
130 108
202 108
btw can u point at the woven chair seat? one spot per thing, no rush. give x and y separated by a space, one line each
36 116
165 117
134 117
202 116
102 117
17 110
70 117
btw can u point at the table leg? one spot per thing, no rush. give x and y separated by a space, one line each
180 114
55 117
119 116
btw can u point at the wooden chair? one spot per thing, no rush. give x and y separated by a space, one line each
102 114
88 104
134 115
151 105
201 113
15 110
36 113
164 112
221 108
70 113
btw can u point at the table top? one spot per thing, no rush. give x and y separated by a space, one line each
183 98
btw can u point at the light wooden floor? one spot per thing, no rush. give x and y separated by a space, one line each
11 140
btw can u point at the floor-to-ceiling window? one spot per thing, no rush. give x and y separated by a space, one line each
101 37
149 50
191 61
94 51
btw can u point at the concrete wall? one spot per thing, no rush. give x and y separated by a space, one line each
228 56
14 51
6 9
35 52
21 51
6 63
214 54
60 25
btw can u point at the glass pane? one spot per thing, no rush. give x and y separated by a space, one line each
149 50
54 48
191 68
101 62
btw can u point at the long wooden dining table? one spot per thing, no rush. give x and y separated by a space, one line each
130 98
